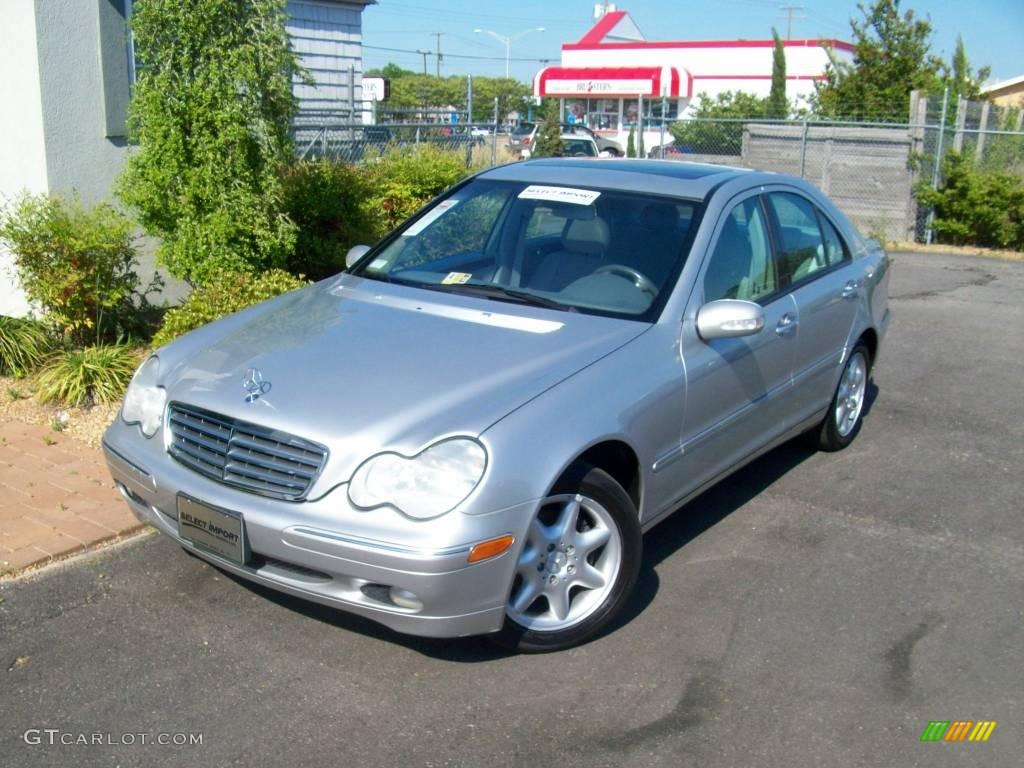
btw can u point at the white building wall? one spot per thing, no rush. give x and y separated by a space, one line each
751 68
22 148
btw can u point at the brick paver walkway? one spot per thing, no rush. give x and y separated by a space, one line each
56 497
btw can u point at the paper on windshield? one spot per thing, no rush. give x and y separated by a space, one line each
430 217
559 194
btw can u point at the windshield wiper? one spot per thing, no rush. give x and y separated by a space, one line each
500 293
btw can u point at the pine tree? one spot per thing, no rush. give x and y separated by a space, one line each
549 138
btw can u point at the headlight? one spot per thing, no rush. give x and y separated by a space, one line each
423 486
144 401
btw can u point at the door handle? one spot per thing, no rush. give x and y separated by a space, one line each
850 289
786 325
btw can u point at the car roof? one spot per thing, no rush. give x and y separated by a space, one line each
682 179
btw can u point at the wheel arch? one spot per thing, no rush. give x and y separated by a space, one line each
870 338
618 459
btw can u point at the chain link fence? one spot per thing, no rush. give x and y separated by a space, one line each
869 168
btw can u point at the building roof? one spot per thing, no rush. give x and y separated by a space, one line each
993 89
617 30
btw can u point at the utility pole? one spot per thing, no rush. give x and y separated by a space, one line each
424 54
439 56
791 13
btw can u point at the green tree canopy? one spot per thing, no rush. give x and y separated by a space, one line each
892 57
717 127
211 113
412 90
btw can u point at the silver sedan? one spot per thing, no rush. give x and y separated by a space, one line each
469 430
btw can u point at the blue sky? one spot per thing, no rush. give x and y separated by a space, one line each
993 30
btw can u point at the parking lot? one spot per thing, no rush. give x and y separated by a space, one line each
813 610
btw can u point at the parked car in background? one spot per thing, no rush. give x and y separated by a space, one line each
573 145
604 144
668 150
524 137
469 430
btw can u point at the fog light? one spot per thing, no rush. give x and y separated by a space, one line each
403 598
488 549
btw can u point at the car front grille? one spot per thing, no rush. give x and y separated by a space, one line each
247 456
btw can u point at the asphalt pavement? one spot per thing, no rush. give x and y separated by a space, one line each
813 610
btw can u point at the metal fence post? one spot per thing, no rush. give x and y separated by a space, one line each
494 144
803 148
938 161
469 99
661 132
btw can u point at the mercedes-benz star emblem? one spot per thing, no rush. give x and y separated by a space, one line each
255 385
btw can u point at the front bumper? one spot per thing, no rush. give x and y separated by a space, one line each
330 553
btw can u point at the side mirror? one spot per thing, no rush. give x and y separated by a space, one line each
729 318
355 253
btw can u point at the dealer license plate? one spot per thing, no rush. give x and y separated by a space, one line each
217 530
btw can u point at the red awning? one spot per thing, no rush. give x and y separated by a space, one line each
595 82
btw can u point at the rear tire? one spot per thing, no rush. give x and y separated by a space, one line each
846 413
578 566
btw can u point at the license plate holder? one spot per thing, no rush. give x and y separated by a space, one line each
217 530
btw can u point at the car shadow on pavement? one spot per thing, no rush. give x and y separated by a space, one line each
667 538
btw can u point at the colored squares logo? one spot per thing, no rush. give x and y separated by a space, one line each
958 730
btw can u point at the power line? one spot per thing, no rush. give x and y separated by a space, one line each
458 55
791 13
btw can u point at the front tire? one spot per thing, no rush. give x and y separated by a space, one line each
578 566
846 413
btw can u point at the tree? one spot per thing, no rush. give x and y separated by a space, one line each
717 127
631 142
211 113
549 137
778 105
891 58
961 80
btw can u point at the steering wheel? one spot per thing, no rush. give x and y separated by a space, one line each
637 278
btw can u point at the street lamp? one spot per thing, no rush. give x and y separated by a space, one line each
508 40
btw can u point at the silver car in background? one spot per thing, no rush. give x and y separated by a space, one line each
469 430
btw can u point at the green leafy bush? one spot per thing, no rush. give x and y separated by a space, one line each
404 179
23 345
717 127
77 263
333 206
211 112
225 293
975 207
86 376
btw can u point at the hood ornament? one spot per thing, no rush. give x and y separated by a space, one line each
255 385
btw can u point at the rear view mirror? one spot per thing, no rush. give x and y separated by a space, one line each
355 253
729 318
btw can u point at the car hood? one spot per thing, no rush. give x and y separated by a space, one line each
363 366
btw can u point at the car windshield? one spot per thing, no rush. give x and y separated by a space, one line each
599 251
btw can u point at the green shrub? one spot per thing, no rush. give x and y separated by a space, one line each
77 263
631 142
23 345
225 293
973 207
549 136
404 179
333 206
97 374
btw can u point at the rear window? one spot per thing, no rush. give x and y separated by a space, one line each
522 129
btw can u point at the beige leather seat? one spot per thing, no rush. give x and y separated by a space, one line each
584 244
